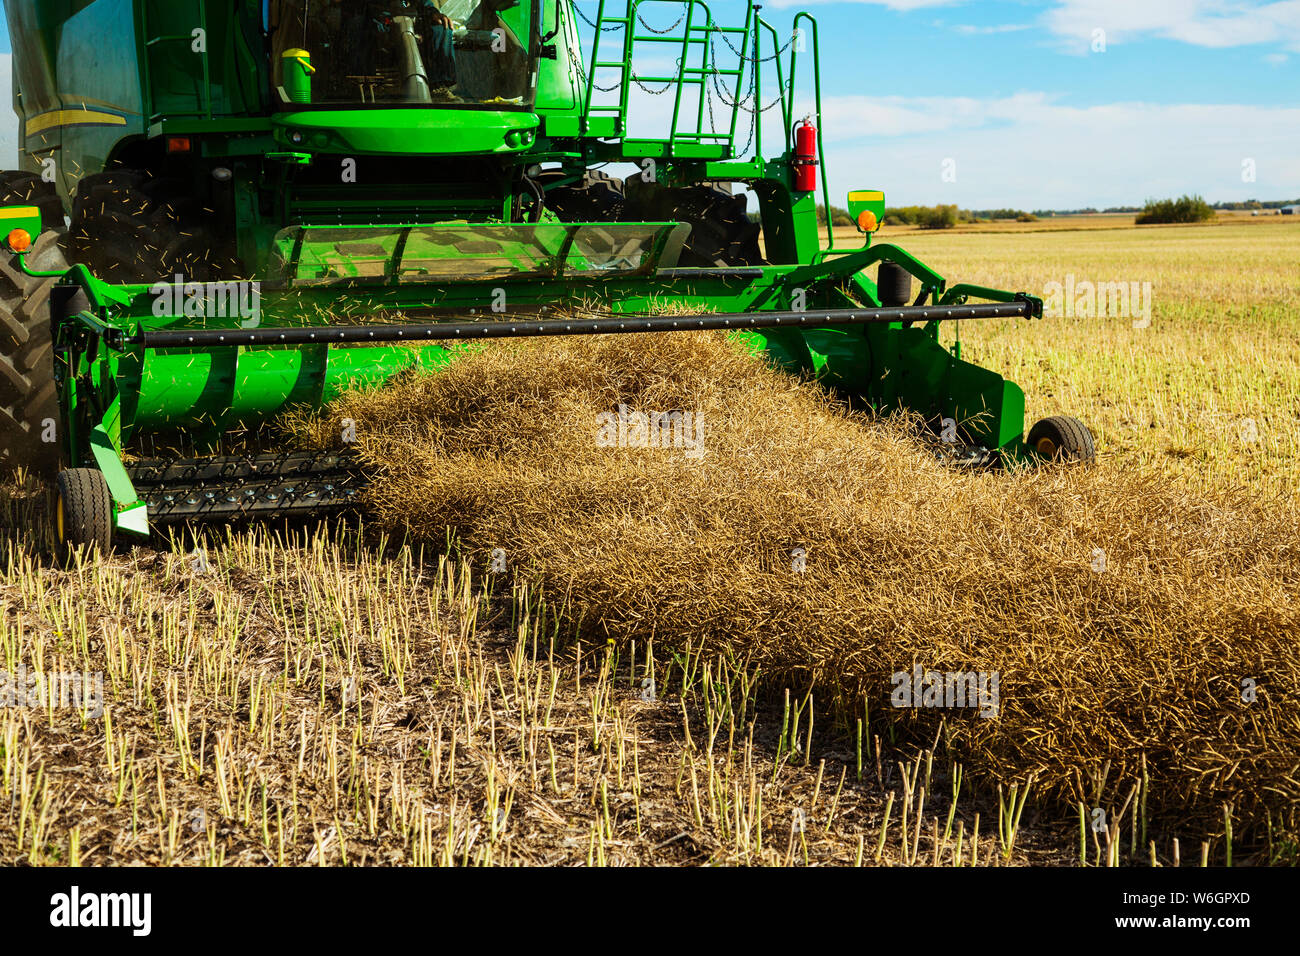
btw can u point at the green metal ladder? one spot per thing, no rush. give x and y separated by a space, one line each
693 34
154 44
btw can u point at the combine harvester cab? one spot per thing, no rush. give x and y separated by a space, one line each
227 210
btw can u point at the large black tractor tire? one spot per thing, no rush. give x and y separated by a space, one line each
83 513
721 232
28 189
1062 438
596 197
128 226
29 408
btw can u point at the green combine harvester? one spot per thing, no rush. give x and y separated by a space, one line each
227 209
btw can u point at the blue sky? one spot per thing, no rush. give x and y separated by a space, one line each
1046 103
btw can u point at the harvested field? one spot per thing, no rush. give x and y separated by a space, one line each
314 699
231 733
1122 611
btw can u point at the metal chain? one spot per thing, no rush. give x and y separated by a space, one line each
750 59
753 123
708 99
641 20
713 124
743 102
780 97
740 103
582 75
667 86
610 29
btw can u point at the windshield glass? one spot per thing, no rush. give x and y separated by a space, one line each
462 252
391 52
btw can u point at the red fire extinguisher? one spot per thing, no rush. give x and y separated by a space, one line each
804 161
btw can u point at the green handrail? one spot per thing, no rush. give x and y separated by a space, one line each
821 146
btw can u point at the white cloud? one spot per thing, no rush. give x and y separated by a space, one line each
1207 23
971 30
850 117
1031 151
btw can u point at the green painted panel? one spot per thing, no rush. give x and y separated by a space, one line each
428 130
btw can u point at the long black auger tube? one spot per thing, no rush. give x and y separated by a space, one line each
453 329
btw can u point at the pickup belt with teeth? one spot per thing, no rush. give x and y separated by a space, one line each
293 484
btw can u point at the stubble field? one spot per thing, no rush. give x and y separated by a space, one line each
648 681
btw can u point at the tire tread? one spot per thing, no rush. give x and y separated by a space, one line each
87 510
27 393
1075 442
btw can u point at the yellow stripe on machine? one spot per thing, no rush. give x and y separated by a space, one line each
19 212
866 195
55 118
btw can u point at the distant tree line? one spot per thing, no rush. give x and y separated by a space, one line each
1246 205
927 216
839 217
990 214
1183 209
1256 204
946 217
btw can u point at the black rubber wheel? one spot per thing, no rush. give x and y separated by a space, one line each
596 197
1061 438
893 285
128 226
83 512
721 231
29 407
28 189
